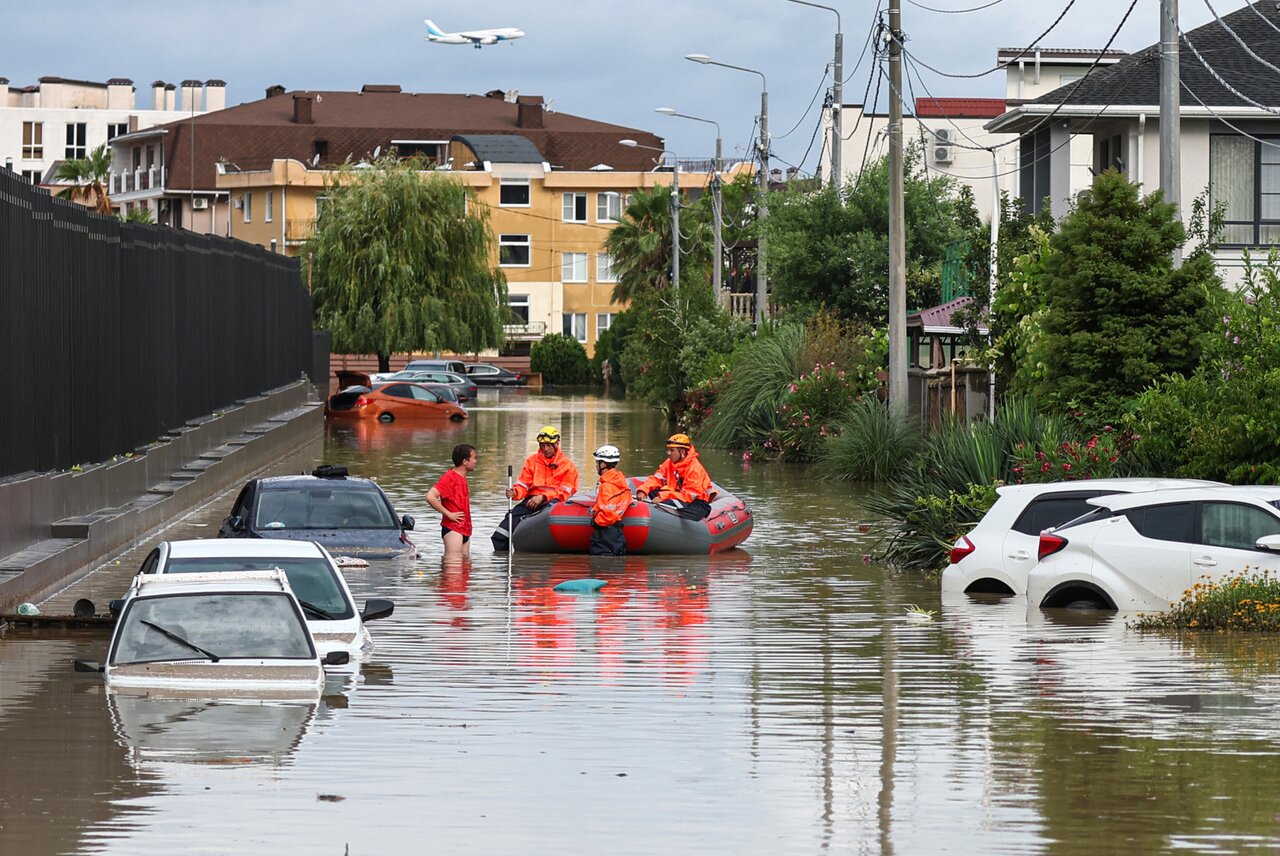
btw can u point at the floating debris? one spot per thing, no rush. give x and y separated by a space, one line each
917 613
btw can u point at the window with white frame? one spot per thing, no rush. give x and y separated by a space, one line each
604 320
604 268
574 207
31 175
514 251
513 194
33 140
518 306
117 129
269 210
76 148
573 267
1244 183
608 207
247 204
575 325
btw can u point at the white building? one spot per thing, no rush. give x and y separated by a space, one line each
58 119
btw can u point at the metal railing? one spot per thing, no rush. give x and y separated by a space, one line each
297 231
532 330
142 178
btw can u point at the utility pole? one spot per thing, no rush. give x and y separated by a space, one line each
1170 112
717 215
762 279
994 278
897 222
837 125
675 224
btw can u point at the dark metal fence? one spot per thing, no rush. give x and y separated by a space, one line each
113 333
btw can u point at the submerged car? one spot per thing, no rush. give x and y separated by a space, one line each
464 387
212 632
388 401
996 555
348 515
1143 551
313 576
485 374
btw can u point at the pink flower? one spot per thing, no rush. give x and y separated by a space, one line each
746 457
1066 467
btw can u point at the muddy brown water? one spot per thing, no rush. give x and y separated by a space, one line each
776 699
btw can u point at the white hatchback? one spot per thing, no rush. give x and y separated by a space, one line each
996 555
1143 551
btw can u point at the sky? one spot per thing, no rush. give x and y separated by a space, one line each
611 60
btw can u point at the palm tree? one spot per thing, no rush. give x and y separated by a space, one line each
91 176
138 215
641 245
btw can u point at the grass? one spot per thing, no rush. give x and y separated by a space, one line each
1248 601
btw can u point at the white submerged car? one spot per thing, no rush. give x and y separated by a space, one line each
1143 551
996 555
231 632
313 576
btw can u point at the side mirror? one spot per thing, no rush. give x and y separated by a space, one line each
406 523
1269 542
235 523
377 607
88 666
336 658
114 606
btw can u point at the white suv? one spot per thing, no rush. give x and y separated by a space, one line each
996 555
1141 552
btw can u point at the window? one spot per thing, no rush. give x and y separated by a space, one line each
514 251
1172 522
117 130
270 208
322 202
1230 524
31 175
573 267
518 306
575 325
247 201
1064 79
608 207
604 268
574 207
604 320
1053 510
1244 179
321 150
432 152
76 148
33 140
513 194
1033 169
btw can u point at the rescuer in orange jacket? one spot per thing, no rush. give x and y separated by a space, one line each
681 482
613 498
547 476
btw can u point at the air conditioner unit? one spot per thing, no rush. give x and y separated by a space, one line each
943 152
199 203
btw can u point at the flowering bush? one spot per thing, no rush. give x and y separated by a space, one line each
811 410
1246 601
1095 458
699 403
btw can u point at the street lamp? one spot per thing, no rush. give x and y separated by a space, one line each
837 137
762 279
675 207
717 199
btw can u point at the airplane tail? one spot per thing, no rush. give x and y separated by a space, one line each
433 29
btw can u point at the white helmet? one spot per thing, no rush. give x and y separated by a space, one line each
608 454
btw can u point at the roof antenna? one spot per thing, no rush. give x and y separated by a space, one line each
315 160
377 150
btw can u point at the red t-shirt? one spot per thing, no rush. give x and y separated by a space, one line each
455 495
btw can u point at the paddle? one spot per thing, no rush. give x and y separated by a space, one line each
511 529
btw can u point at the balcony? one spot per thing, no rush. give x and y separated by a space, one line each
531 332
131 181
299 231
739 305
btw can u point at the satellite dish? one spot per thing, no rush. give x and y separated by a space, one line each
377 150
315 160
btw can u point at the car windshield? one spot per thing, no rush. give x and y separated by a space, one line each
322 507
312 580
225 625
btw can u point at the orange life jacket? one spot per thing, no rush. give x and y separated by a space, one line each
613 498
556 479
685 481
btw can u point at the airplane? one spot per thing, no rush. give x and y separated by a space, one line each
473 37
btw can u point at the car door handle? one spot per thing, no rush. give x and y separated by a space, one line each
1020 555
1205 561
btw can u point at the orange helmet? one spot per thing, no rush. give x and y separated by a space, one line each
679 441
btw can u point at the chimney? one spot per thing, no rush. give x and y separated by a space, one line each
302 108
192 96
170 97
119 93
273 91
215 95
529 113
157 95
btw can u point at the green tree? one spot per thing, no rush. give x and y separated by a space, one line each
1116 312
141 214
403 260
91 175
560 359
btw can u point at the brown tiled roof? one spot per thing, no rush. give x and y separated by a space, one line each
353 124
959 108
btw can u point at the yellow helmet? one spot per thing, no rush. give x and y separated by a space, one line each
679 441
548 435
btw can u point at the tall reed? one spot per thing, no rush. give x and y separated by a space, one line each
747 412
873 444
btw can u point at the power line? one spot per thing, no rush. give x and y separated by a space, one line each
954 11
875 27
1012 59
812 101
1273 143
1239 40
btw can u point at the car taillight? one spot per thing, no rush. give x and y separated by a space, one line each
1049 544
962 548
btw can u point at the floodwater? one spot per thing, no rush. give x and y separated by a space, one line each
776 699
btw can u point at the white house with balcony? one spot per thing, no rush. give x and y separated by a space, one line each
59 119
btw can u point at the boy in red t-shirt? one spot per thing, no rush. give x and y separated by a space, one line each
451 496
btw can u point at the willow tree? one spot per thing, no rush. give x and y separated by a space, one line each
402 261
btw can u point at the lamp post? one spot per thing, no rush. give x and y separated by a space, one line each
837 127
717 199
762 279
675 207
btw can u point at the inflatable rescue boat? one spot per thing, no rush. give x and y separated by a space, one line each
565 527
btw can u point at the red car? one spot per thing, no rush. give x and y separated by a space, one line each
391 401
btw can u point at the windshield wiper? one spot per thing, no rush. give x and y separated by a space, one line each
315 610
176 638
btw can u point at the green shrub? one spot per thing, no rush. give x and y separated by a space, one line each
1245 601
1095 458
561 359
747 412
872 443
812 410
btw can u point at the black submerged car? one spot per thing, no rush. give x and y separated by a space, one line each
350 516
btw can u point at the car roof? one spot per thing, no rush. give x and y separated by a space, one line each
1121 502
1120 485
344 483
243 548
156 585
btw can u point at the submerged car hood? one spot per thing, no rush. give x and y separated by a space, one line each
361 543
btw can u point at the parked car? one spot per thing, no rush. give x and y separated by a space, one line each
345 514
315 579
1142 551
996 555
486 375
457 367
389 401
461 384
212 632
